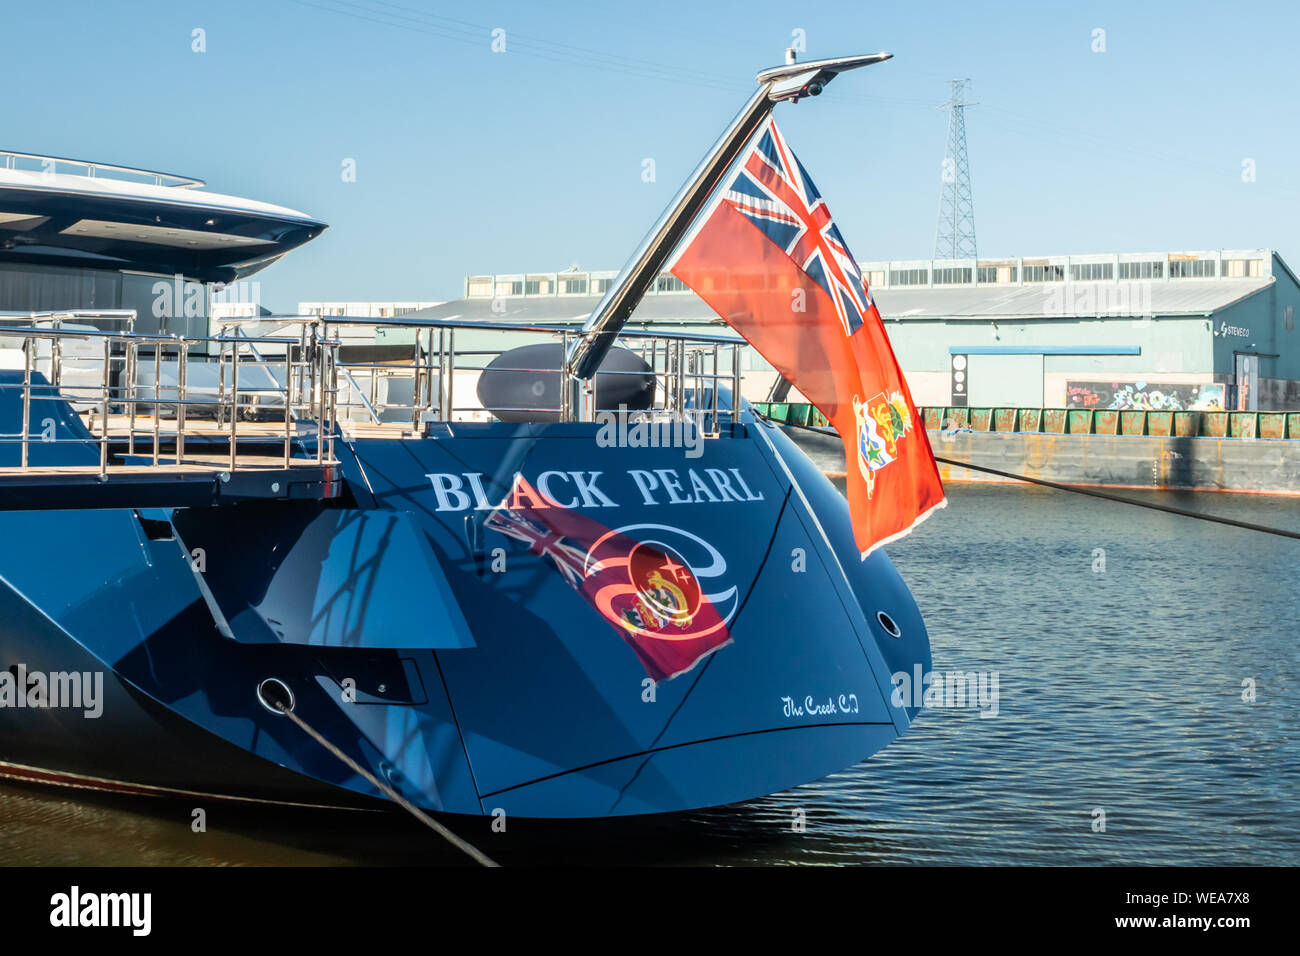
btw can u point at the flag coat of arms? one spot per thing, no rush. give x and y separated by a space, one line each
769 259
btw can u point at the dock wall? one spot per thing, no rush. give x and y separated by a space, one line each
1186 462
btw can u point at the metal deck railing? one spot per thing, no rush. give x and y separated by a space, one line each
152 400
428 376
242 398
36 162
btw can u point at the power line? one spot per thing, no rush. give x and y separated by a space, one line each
539 50
469 33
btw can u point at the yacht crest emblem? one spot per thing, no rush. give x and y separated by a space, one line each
667 592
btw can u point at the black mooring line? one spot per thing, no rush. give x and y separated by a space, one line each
1076 489
1093 492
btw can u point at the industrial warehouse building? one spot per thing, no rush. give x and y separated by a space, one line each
1146 330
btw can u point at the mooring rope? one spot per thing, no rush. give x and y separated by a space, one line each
1094 493
1078 490
468 849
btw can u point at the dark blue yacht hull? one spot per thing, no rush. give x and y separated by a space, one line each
458 665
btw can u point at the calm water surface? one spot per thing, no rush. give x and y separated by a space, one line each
1119 690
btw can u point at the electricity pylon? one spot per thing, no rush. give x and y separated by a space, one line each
955 237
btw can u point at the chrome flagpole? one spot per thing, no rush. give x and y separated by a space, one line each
792 81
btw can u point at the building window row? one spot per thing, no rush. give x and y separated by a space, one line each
909 276
670 283
1240 268
486 286
1191 268
1048 273
1149 269
996 274
1085 271
952 276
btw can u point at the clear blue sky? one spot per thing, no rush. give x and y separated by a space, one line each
529 160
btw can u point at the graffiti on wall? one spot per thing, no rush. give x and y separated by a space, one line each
1154 396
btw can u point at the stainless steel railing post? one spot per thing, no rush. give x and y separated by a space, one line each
373 386
234 398
157 396
427 401
654 372
312 360
129 373
103 414
679 382
288 398
321 364
715 386
334 390
735 383
417 383
221 376
182 397
28 345
447 376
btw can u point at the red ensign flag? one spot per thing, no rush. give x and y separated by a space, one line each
770 261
